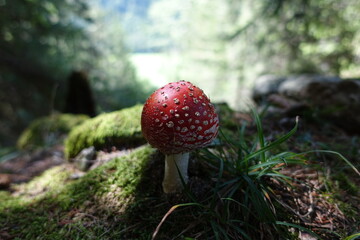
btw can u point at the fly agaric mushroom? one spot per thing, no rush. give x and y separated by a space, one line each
177 119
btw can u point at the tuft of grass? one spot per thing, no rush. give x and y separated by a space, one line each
241 203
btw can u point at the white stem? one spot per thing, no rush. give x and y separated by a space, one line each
172 181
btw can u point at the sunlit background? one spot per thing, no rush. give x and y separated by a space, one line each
128 48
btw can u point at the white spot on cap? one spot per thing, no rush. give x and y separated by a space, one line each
200 137
172 111
199 128
170 124
184 129
176 101
192 127
186 114
197 114
204 113
178 128
177 115
195 100
205 123
185 108
197 121
157 120
181 121
164 105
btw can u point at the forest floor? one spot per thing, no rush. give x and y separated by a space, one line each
324 195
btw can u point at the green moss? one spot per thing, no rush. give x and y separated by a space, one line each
120 128
226 116
86 208
48 130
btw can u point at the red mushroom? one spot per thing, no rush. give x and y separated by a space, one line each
177 119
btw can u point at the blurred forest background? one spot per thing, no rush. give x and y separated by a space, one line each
127 48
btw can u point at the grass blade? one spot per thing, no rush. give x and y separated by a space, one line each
275 143
260 134
299 227
352 237
172 209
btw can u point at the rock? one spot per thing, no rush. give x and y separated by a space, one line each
85 158
4 235
120 129
306 236
266 85
295 85
5 180
324 98
48 130
337 102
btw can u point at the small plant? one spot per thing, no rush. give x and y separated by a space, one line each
241 203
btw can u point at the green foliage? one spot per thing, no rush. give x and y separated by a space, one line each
48 130
42 42
121 128
224 43
115 81
323 39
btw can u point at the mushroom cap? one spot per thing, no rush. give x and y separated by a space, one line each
179 118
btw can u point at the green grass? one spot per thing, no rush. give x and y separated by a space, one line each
241 203
230 196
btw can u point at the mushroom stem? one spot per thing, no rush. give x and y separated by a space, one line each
175 164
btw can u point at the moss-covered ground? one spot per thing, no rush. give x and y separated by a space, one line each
48 130
55 206
123 198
